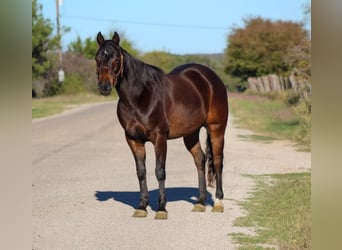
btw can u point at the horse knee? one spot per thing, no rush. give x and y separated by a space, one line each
160 174
141 173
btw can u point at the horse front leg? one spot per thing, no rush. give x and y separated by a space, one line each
139 153
160 146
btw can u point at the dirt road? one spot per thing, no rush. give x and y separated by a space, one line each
84 186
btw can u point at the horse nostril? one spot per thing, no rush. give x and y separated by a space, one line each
108 86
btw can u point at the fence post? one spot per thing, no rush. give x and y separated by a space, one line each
266 83
275 82
253 83
293 82
260 86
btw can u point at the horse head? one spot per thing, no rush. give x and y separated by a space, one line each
109 63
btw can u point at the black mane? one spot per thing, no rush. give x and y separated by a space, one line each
140 73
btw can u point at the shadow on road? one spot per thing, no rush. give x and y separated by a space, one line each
173 194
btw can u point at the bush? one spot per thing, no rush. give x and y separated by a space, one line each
73 85
52 88
303 134
292 99
81 72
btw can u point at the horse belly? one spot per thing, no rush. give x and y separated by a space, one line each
184 120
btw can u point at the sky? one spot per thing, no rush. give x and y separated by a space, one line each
177 26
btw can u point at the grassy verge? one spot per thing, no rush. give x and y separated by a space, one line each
279 209
271 118
43 107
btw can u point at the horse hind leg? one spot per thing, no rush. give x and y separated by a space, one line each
216 137
194 147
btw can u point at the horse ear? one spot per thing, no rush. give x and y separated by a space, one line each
116 38
99 39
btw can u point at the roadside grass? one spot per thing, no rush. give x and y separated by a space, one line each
279 209
273 119
42 107
260 138
269 117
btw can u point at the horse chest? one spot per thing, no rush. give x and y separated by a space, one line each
144 127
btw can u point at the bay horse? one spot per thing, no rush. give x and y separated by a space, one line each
154 106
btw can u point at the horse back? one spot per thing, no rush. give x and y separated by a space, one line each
197 96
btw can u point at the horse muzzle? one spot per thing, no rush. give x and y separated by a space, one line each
105 88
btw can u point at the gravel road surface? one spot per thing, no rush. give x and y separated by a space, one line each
84 185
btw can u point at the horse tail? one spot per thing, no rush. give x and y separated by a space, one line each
209 157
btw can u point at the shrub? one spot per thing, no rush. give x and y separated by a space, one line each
52 88
292 99
303 134
73 85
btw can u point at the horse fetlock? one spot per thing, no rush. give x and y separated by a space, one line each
141 174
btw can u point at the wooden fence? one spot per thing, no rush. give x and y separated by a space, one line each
275 83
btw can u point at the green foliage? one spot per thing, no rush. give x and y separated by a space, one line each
89 46
162 59
167 61
303 133
128 46
82 68
44 50
73 85
53 88
279 209
260 47
42 41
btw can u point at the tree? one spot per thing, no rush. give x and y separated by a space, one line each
162 59
260 47
43 41
89 46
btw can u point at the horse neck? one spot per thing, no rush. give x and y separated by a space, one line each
137 76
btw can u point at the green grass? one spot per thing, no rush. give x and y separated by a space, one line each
260 138
43 107
279 209
270 118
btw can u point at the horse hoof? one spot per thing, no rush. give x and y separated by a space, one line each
218 207
139 213
161 215
198 208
